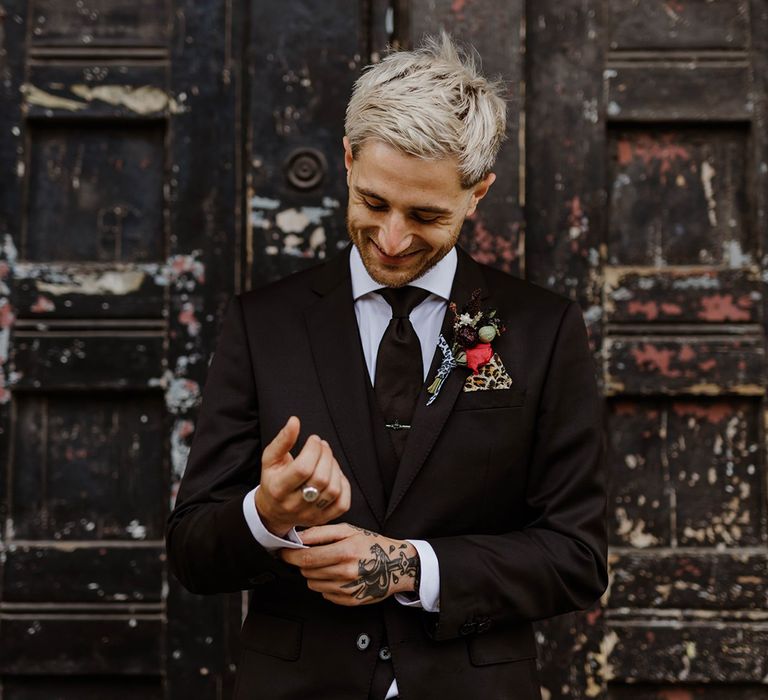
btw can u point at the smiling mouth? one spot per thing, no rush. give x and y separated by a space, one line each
394 257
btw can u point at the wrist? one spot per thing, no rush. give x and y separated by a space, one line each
410 582
275 526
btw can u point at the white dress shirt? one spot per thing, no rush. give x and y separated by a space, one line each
373 314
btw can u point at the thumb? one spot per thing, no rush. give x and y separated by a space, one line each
281 443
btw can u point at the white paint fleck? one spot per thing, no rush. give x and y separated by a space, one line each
264 203
181 394
707 175
292 221
135 530
735 256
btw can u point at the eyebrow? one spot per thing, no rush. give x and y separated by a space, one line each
425 208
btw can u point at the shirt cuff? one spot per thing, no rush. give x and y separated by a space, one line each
260 533
429 588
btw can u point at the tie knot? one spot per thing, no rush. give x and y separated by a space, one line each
403 300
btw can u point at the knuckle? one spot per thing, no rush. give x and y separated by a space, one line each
303 469
306 560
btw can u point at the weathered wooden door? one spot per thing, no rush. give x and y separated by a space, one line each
159 156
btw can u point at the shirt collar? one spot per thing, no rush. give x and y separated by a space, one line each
437 280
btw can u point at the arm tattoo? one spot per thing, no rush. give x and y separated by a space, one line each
376 575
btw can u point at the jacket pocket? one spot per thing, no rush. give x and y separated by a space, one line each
271 635
489 398
500 646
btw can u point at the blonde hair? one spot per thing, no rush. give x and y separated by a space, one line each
433 103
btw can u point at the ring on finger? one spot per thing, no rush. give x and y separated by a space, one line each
310 494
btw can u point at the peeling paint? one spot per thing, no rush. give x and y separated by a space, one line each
145 99
707 175
95 283
36 96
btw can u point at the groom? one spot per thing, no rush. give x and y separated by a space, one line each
399 452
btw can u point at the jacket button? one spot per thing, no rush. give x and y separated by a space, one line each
483 625
363 641
468 628
385 654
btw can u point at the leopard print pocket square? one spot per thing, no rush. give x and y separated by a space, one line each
491 375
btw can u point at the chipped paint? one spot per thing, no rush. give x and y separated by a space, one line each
182 433
145 99
633 531
182 393
652 358
188 319
707 175
42 305
41 98
94 283
136 530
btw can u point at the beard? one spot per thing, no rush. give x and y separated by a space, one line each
401 274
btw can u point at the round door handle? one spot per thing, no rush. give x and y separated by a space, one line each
305 168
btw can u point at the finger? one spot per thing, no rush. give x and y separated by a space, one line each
342 503
326 534
302 468
281 444
330 586
315 557
323 473
331 494
346 600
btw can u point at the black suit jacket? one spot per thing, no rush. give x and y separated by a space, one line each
506 485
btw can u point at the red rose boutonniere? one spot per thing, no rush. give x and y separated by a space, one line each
474 329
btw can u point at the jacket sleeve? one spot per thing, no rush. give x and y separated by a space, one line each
557 562
209 544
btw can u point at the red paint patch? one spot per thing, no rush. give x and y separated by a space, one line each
458 5
671 309
7 316
675 694
648 308
721 307
186 428
686 353
707 365
593 616
652 358
661 151
187 318
42 305
713 412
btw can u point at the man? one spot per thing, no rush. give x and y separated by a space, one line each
446 471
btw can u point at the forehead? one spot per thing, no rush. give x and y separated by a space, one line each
395 175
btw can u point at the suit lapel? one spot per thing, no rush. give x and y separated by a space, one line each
340 366
428 421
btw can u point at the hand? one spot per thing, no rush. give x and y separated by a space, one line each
352 566
279 500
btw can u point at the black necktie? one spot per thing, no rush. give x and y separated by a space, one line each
399 368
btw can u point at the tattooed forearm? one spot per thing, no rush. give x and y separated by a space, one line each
377 575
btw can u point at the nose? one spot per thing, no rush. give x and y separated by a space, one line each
394 237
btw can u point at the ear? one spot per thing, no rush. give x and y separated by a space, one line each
347 157
479 191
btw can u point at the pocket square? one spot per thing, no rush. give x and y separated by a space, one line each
491 375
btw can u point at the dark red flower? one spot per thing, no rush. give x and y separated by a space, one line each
478 356
467 336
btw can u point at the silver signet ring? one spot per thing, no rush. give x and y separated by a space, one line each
309 494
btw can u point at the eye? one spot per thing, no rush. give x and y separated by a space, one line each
425 220
374 207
